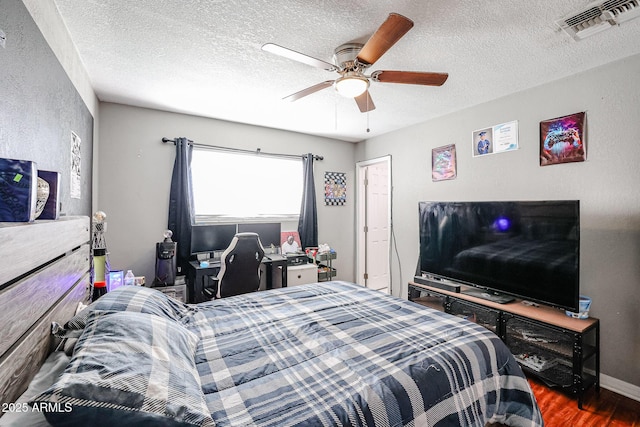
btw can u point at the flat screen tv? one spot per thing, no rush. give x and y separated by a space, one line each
211 237
526 249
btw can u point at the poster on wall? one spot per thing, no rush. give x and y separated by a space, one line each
335 188
495 139
562 140
76 160
443 163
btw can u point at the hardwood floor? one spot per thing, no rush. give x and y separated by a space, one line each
606 409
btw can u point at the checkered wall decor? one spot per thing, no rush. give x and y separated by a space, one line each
335 188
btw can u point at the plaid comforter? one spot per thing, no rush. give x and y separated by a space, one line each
334 353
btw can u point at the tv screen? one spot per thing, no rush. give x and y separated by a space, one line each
211 237
528 249
269 232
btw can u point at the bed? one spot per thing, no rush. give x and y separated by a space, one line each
44 275
325 354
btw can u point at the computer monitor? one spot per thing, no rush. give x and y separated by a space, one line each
211 237
269 232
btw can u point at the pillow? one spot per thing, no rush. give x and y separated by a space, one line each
128 298
129 369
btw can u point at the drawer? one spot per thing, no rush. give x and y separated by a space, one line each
301 274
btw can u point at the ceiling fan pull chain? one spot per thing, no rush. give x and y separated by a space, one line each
368 130
335 112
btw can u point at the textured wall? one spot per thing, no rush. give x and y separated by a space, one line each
40 107
606 185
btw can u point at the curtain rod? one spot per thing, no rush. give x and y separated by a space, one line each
258 151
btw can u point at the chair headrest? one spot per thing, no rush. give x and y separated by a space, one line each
247 235
244 239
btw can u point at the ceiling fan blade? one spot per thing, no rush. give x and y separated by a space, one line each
297 56
364 101
385 36
308 91
410 77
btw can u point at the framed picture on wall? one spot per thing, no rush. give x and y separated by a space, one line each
76 172
335 188
481 143
562 140
495 139
443 163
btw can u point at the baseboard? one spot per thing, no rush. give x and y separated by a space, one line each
617 386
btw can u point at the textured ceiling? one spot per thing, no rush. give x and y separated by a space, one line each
204 57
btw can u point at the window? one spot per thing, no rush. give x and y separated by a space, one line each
229 186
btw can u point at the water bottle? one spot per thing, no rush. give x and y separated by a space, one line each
129 279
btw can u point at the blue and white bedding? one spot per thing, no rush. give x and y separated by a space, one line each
325 354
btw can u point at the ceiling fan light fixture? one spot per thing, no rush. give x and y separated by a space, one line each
351 85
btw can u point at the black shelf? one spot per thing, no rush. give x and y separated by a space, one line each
560 351
483 316
557 376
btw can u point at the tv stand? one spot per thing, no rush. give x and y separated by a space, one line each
489 295
559 350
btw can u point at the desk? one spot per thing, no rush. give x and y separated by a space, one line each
197 276
276 265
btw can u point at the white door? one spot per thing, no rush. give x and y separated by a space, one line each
374 224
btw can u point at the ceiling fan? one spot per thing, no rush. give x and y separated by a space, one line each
352 59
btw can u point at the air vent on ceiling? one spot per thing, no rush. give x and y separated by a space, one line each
599 16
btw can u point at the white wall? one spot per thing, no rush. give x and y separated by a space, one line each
135 175
606 185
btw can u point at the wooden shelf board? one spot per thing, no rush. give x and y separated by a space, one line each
546 314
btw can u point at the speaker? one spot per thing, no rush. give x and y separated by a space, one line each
165 263
434 283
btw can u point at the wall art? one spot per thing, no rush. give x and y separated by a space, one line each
562 140
443 163
335 188
495 139
76 161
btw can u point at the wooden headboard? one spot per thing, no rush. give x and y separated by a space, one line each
44 273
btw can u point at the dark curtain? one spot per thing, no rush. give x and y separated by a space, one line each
181 210
308 222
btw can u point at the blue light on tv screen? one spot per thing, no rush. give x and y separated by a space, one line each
502 224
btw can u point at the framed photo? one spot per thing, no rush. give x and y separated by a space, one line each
562 140
290 242
481 143
495 139
443 163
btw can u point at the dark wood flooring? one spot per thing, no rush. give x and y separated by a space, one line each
604 409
